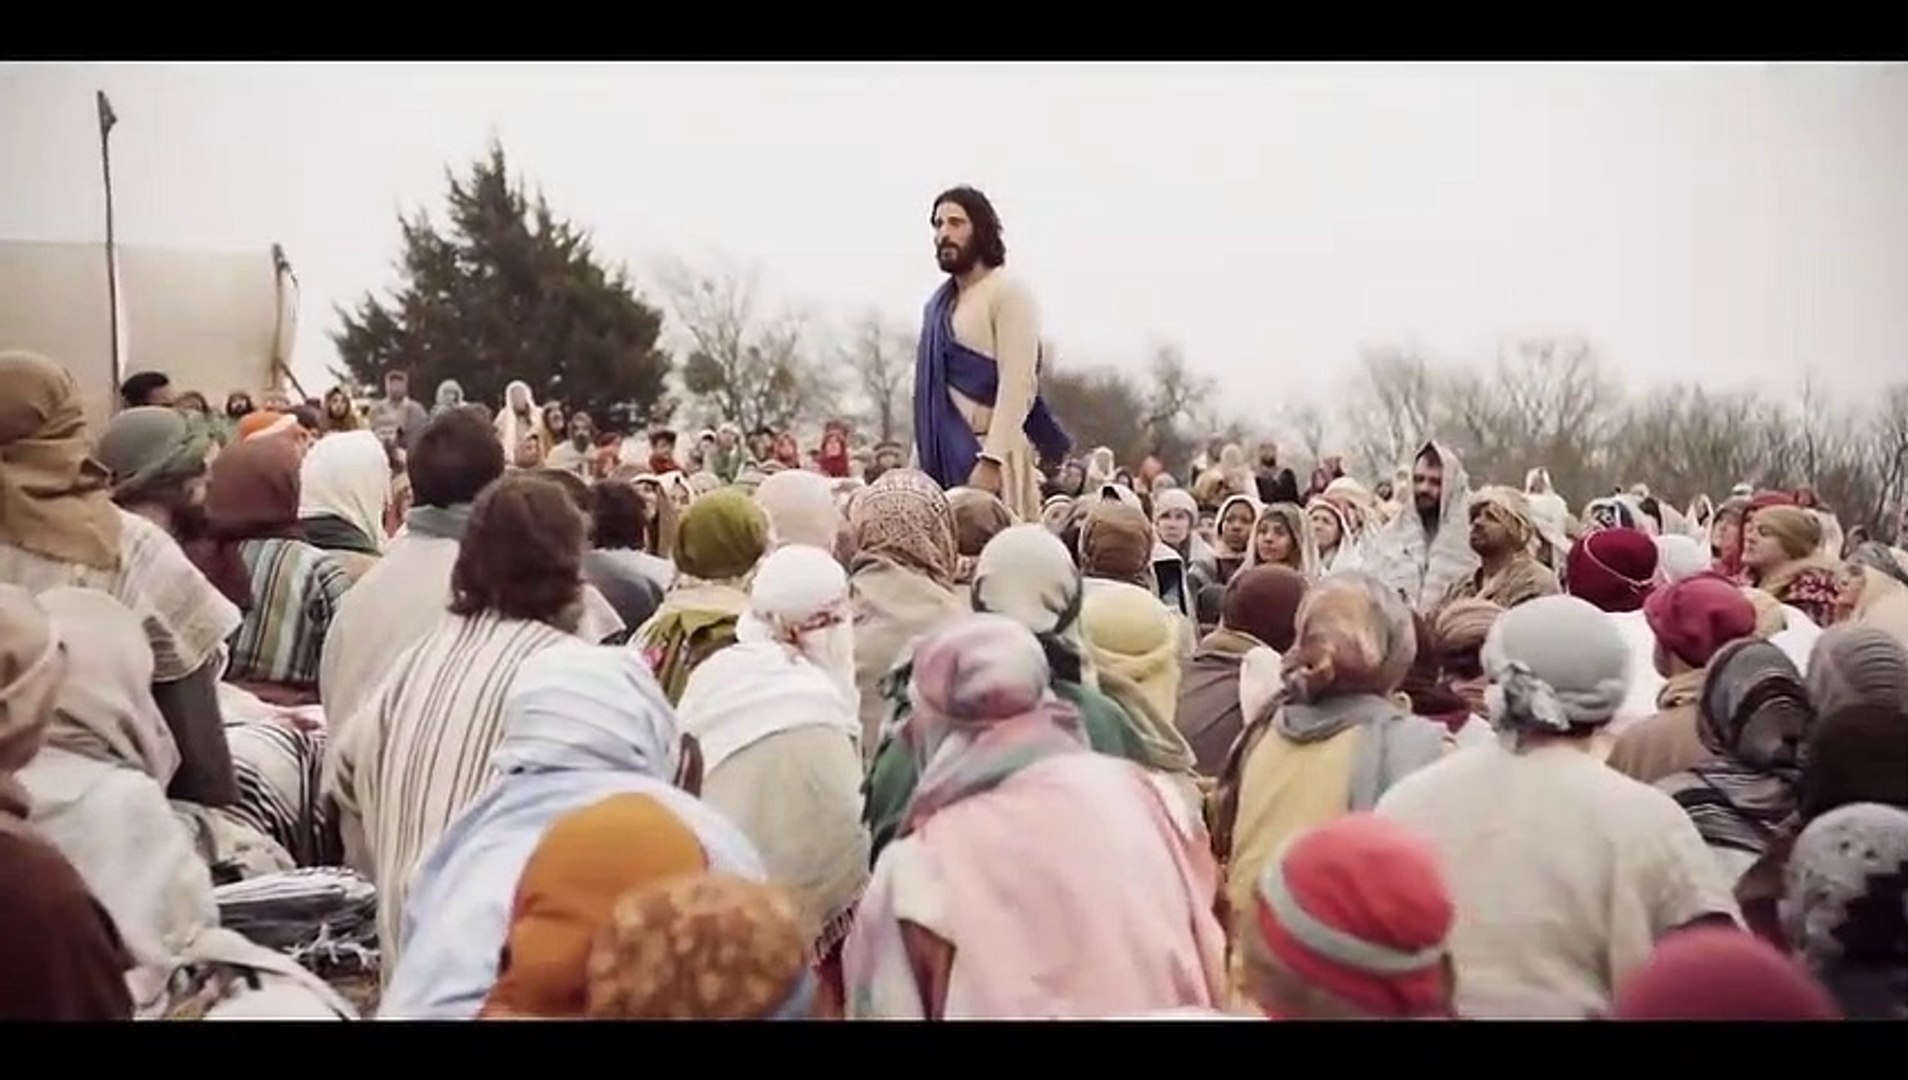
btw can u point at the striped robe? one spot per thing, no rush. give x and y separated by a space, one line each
419 750
295 592
187 620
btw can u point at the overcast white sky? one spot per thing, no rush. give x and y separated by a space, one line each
1730 223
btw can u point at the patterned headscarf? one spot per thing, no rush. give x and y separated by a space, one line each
1557 665
1845 910
982 711
1352 636
1754 717
53 499
586 860
702 947
904 518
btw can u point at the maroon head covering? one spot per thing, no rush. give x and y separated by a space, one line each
1697 616
1612 569
1264 601
1713 973
252 494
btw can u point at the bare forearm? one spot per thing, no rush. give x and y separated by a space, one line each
191 708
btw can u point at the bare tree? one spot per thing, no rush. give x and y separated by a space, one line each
744 366
882 359
1177 393
1392 407
1888 448
1304 422
1098 406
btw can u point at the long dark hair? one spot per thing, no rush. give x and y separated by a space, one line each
989 246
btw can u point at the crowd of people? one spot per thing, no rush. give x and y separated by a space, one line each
467 711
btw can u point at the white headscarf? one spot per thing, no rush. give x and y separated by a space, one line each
792 664
347 475
510 428
1679 557
801 508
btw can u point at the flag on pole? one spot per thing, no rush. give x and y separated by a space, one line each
107 118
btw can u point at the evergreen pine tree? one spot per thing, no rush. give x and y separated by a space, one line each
510 291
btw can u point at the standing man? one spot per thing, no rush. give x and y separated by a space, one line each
396 418
978 417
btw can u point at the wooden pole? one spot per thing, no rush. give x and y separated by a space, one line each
106 121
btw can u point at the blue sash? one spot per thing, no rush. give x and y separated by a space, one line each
947 446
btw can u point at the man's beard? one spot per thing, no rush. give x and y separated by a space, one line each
581 442
954 259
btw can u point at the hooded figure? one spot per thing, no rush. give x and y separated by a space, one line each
1550 515
519 419
450 394
1426 549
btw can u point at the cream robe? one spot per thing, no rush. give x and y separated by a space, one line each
996 316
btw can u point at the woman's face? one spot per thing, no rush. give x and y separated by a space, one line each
1236 527
1275 543
554 419
1325 530
1174 526
832 444
1725 533
1762 551
1849 583
337 405
652 497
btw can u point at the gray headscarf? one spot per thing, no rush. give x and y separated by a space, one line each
1845 908
1853 664
149 448
1557 665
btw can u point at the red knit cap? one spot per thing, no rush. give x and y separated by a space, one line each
1714 973
1612 569
1698 615
1358 907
